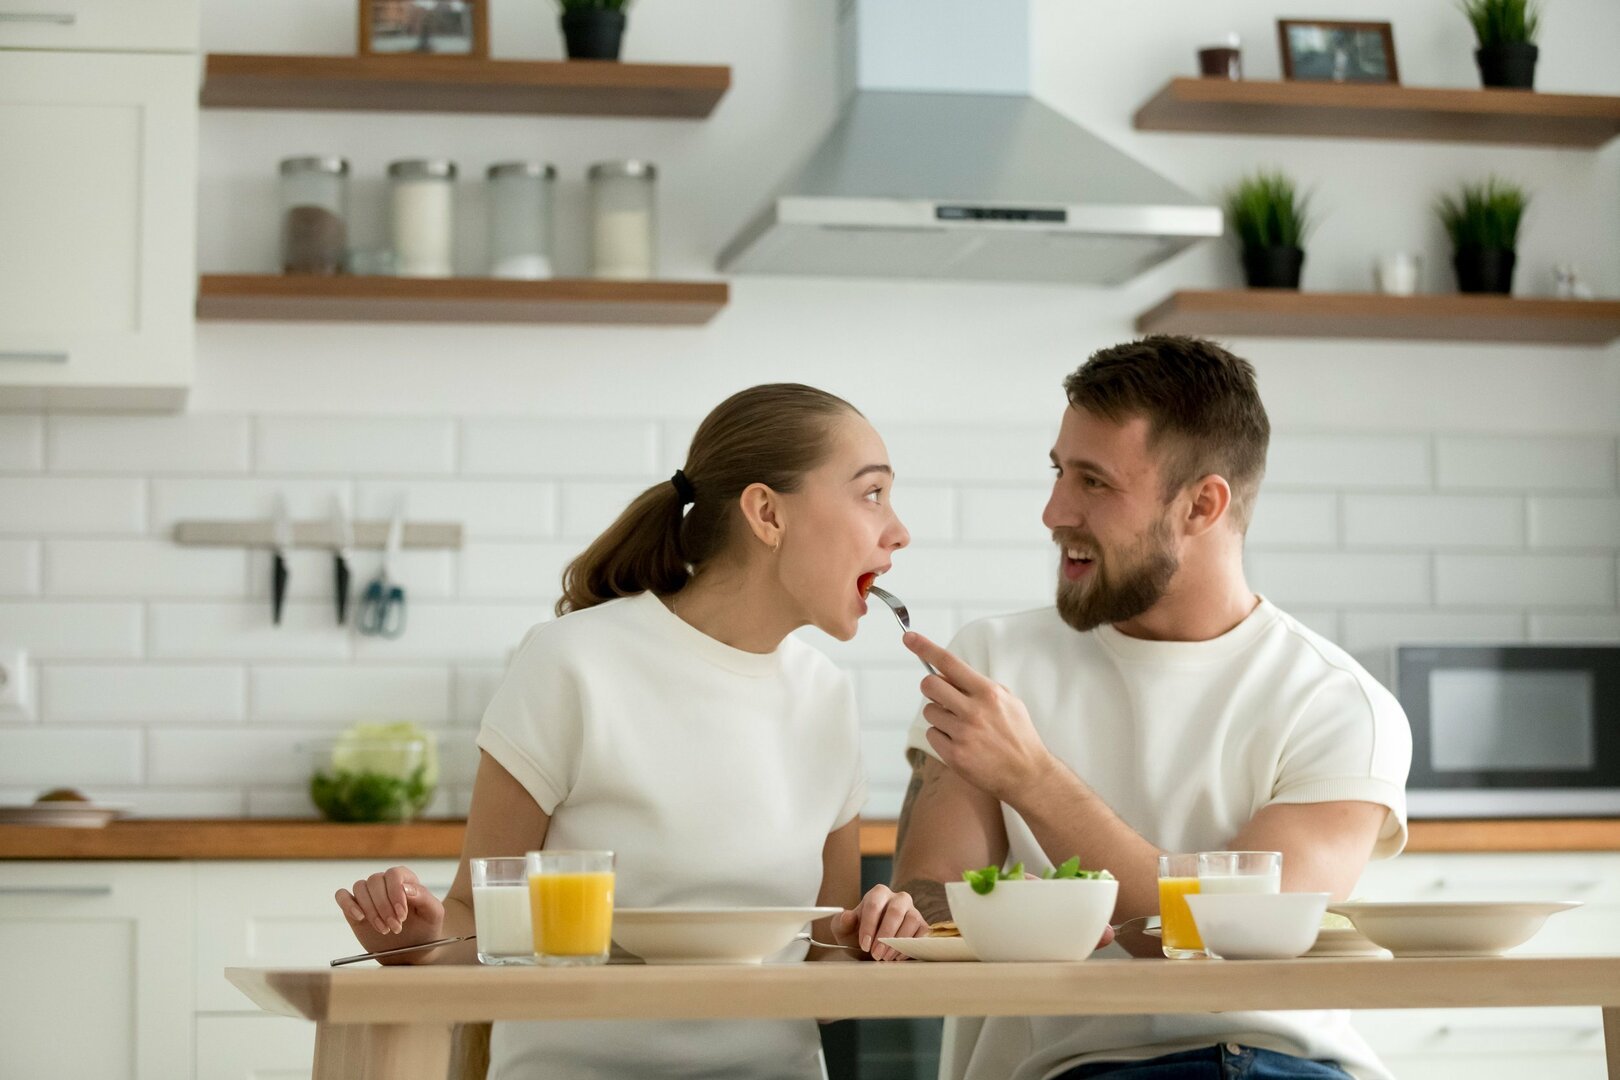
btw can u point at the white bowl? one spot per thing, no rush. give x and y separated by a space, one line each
742 935
1258 926
1451 928
1033 920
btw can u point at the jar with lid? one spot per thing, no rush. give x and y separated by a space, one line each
314 214
422 202
520 219
623 225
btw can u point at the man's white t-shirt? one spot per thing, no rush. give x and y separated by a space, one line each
715 776
1186 741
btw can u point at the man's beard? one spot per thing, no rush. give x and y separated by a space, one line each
1121 586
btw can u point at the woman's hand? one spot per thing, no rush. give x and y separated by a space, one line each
880 914
390 910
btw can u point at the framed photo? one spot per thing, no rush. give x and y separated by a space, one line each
1322 50
424 28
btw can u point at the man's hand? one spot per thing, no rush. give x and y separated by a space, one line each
980 730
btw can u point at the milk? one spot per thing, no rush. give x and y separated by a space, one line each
1239 883
501 913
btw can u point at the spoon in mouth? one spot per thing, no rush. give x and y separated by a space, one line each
901 615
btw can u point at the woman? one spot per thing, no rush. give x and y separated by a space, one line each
667 715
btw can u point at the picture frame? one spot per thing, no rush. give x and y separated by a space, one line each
1332 50
424 28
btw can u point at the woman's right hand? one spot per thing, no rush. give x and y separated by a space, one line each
392 909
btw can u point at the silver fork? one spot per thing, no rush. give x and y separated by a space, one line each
901 615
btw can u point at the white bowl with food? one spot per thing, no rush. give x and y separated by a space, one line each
740 935
1032 919
1258 926
1451 927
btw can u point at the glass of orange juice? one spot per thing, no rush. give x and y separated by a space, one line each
1178 876
571 906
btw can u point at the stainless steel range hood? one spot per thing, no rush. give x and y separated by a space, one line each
932 174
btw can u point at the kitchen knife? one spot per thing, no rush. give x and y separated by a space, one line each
342 543
281 538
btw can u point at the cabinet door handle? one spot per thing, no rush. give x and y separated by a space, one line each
48 357
55 890
54 18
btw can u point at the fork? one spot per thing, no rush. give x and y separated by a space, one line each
901 615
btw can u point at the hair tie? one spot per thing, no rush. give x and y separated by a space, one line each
683 487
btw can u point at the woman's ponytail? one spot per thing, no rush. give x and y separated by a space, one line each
639 551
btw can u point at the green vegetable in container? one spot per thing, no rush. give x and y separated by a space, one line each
983 881
377 772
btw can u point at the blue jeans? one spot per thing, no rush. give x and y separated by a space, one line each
1225 1062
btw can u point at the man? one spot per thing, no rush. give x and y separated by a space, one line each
1161 707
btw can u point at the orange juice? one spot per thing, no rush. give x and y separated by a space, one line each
572 913
1177 926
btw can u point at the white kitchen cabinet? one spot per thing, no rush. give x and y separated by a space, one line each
98 169
254 1047
116 25
98 970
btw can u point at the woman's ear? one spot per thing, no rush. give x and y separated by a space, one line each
762 510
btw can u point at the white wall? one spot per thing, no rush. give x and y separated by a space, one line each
1415 491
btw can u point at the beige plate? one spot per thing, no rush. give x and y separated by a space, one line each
73 815
945 949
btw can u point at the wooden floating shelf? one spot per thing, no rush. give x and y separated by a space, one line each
1362 111
460 84
343 298
1451 317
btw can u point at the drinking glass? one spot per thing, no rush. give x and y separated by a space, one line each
501 911
571 903
1178 876
1240 871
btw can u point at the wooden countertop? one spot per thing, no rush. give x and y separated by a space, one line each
270 839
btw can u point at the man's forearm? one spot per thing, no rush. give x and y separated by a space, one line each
929 896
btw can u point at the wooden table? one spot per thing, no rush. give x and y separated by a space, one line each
395 1023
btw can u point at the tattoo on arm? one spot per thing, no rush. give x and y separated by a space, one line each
929 896
913 789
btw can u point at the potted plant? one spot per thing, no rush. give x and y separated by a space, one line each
1270 218
1483 221
593 29
1506 30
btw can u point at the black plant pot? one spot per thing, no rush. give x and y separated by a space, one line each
1484 270
593 33
1273 267
1511 67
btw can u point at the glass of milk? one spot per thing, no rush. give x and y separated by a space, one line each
1239 871
501 911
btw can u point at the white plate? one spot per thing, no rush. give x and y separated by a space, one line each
942 949
1450 928
73 815
739 935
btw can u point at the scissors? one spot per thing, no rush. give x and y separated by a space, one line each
382 606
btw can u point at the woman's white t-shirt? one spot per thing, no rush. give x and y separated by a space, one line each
715 776
1186 741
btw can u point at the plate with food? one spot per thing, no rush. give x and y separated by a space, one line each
62 808
731 935
942 943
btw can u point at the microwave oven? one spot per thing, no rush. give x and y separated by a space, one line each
1511 730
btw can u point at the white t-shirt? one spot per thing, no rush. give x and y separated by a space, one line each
715 776
1187 741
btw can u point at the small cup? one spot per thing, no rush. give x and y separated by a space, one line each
1178 876
1397 274
571 904
1221 62
501 911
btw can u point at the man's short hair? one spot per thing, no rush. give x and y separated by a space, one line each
1202 406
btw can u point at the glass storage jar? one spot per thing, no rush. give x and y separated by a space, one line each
623 224
314 214
422 201
520 219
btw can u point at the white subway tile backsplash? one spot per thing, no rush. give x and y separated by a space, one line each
72 631
214 756
22 443
348 694
149 444
247 499
1340 578
1323 621
1528 580
362 446
143 568
485 509
142 692
883 753
1575 628
464 631
514 571
1574 522
968 455
19 568
243 631
43 757
1284 519
1011 576
1367 629
1434 521
1005 515
226 802
888 694
58 505
883 802
928 513
1351 462
567 448
1543 463
474 689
